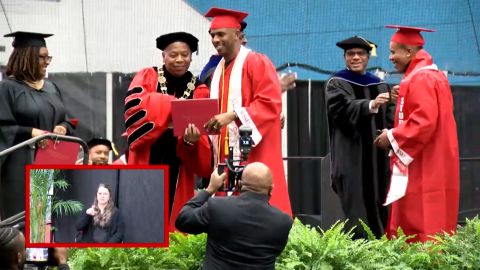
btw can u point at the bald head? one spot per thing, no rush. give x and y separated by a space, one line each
257 177
12 248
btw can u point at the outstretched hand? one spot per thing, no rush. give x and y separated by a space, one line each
381 99
192 134
60 130
37 132
215 124
91 211
216 181
394 93
382 141
287 81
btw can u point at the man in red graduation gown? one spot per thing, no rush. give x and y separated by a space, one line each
423 142
148 120
247 87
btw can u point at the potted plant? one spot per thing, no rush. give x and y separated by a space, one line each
44 184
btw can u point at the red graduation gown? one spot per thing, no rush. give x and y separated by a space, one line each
142 133
261 100
425 139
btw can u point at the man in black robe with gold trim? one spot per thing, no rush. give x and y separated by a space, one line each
358 105
148 119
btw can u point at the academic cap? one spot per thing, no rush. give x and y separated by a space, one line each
226 18
358 42
28 39
243 25
164 40
100 141
408 35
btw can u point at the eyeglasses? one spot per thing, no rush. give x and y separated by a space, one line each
361 53
46 58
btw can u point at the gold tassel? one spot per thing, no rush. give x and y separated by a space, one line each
374 50
114 149
226 146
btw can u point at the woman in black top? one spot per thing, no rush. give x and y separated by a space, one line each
102 222
29 107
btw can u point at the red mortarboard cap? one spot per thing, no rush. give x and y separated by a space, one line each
226 18
409 35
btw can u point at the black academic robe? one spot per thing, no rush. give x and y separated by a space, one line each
21 109
359 170
163 151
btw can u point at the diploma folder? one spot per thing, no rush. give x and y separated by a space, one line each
192 111
57 153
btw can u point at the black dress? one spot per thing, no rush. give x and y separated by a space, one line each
21 109
112 232
360 171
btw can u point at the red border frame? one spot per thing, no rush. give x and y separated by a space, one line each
96 167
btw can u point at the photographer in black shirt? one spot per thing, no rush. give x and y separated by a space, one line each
245 231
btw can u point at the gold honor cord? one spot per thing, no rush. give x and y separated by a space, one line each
221 110
163 86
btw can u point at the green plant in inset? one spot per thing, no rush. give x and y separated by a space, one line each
43 201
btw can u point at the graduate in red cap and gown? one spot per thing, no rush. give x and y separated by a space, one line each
148 120
423 143
249 93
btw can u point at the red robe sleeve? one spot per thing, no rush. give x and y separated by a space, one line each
147 115
409 137
262 105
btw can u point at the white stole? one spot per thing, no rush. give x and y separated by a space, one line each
234 100
399 179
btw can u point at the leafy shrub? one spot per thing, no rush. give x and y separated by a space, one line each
307 248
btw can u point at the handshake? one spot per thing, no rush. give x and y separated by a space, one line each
384 98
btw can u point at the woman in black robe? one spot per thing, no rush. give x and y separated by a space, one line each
29 107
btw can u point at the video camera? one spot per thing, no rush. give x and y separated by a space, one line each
235 171
40 257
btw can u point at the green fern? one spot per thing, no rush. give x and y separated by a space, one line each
68 207
308 248
44 184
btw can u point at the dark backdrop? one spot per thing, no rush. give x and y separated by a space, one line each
138 194
84 97
308 144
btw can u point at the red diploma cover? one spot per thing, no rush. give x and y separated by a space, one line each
192 111
58 153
